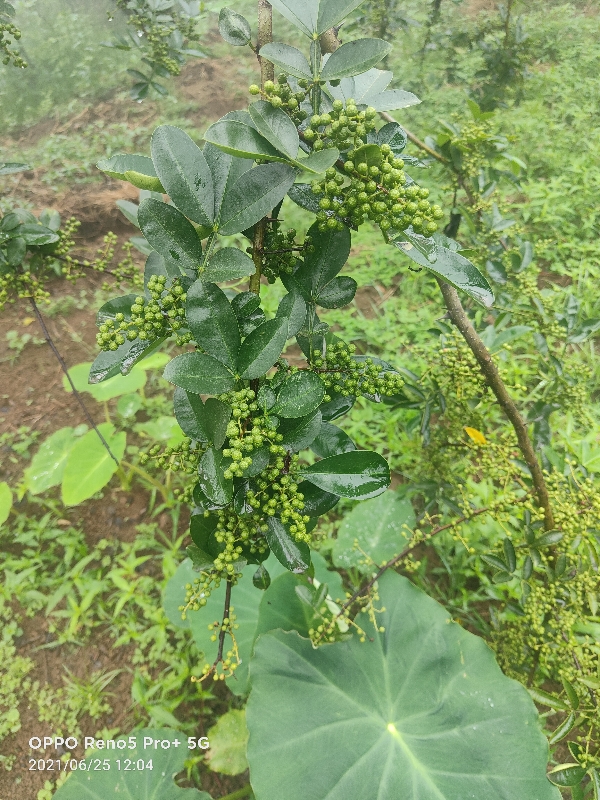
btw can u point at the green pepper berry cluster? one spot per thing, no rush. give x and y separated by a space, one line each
341 372
345 127
378 191
281 95
279 252
157 318
183 457
8 30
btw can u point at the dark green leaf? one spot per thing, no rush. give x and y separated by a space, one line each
298 433
212 481
277 128
202 529
565 727
228 264
120 361
16 250
234 28
495 562
225 171
337 406
359 474
510 554
253 196
118 305
571 694
261 349
170 234
567 775
320 161
293 307
37 234
216 416
199 373
245 303
183 171
156 265
354 57
393 134
260 459
337 293
200 559
241 140
299 395
287 58
547 539
332 441
294 556
316 501
189 413
261 578
331 251
120 163
212 322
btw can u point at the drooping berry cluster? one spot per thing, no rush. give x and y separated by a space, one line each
281 95
7 54
376 191
345 127
162 315
341 372
183 457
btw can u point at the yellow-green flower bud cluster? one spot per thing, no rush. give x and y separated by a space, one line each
341 372
376 191
281 95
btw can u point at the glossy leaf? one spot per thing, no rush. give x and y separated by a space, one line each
189 413
359 474
225 171
215 486
183 171
320 161
337 293
300 394
337 406
241 140
199 373
36 234
228 264
48 464
201 561
277 128
381 526
300 432
212 322
315 16
261 349
89 467
419 712
118 305
202 529
293 307
567 775
294 556
331 441
287 58
331 251
170 234
316 501
147 784
235 29
253 196
216 416
354 57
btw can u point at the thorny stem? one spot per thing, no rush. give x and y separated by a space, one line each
484 359
64 368
223 631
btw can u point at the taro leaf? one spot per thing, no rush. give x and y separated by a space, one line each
234 28
331 441
420 711
320 161
261 349
228 264
225 170
331 251
316 501
189 413
294 556
293 307
113 387
299 395
118 305
183 171
241 140
228 739
300 432
453 268
199 373
253 196
337 293
354 58
315 16
212 322
287 58
277 128
48 464
5 498
216 416
337 406
89 467
147 784
381 527
358 475
170 234
215 486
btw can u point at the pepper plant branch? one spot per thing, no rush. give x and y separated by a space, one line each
65 369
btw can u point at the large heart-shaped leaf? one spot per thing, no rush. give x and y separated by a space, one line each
277 128
89 466
420 711
287 58
381 526
170 234
199 373
354 57
152 781
253 196
212 322
261 349
48 464
356 474
183 171
315 16
299 395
